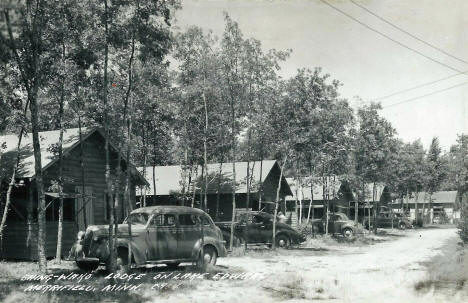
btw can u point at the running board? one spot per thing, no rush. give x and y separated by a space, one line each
169 261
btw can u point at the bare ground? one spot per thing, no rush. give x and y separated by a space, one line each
388 271
423 265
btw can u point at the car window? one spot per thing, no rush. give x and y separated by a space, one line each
163 220
206 221
187 219
137 218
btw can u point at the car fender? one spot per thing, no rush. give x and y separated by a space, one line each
138 250
206 241
353 228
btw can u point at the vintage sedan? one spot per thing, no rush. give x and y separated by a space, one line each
389 220
157 234
339 223
257 227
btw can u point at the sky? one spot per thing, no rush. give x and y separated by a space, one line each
368 65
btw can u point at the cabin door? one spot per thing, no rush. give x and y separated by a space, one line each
84 206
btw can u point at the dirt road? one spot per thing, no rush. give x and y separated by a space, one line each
383 272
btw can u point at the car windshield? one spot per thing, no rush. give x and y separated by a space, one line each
343 217
137 218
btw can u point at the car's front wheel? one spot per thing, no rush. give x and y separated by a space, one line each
207 257
402 225
283 241
122 261
348 233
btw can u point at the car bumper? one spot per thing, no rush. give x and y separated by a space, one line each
86 262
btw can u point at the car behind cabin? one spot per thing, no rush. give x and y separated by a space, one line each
338 224
256 227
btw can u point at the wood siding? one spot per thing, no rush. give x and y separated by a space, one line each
17 246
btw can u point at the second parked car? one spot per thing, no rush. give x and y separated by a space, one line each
257 228
389 220
338 223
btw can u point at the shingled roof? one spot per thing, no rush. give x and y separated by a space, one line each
169 178
48 139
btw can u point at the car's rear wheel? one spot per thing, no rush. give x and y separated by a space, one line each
402 225
283 241
348 233
207 257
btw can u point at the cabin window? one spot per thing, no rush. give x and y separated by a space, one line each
53 206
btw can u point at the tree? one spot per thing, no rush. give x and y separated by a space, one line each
458 172
373 147
322 124
435 172
406 171
233 91
33 50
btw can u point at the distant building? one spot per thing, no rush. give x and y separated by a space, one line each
20 235
339 194
174 185
441 204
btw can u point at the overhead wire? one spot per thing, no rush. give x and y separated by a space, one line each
417 86
390 38
459 72
408 33
426 95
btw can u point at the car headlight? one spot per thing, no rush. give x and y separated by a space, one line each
80 235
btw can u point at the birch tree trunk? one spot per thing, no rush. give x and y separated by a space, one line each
233 181
374 207
12 179
205 148
144 164
109 197
58 253
218 190
41 208
82 168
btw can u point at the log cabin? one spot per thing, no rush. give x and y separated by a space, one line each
84 189
167 185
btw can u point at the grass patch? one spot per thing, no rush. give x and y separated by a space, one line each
287 290
448 271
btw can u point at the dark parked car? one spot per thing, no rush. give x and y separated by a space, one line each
159 234
257 227
388 220
338 223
